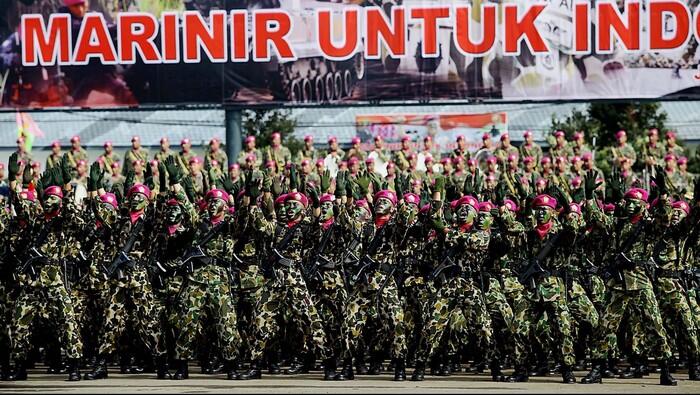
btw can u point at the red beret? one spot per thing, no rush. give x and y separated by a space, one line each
504 136
486 206
362 203
217 194
411 198
469 201
405 138
74 138
28 194
139 188
510 205
545 159
280 199
638 194
527 133
425 208
308 137
110 199
54 191
327 197
575 208
386 194
528 159
356 140
297 197
653 132
559 133
545 200
682 160
620 133
681 204
491 159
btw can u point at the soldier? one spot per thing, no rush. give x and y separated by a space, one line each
207 283
76 153
249 150
633 233
185 155
461 150
129 282
545 292
401 156
506 150
670 289
276 152
136 152
560 149
530 148
684 179
578 147
108 157
672 146
164 151
215 153
308 151
285 291
334 157
54 157
41 276
487 144
623 149
355 150
376 296
653 151
21 150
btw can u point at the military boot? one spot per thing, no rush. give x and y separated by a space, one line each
399 369
375 365
666 378
74 369
99 370
595 376
296 367
183 370
253 373
162 372
419 371
520 375
496 373
20 372
693 368
231 372
567 374
347 373
56 365
610 369
360 367
329 369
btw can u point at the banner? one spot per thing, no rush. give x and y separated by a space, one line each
123 53
443 129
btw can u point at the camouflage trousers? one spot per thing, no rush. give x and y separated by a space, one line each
501 313
596 291
459 307
215 298
582 310
287 294
134 290
330 298
384 308
617 309
529 317
89 306
694 302
6 304
418 302
677 313
45 294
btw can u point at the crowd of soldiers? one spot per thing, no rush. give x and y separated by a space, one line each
342 260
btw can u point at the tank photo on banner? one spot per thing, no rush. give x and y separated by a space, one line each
118 53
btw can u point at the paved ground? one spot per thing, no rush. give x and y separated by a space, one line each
312 383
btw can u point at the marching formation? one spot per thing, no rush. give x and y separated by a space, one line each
340 261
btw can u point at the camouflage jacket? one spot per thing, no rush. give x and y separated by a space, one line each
171 242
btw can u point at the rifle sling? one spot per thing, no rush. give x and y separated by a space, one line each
213 231
132 236
547 249
631 238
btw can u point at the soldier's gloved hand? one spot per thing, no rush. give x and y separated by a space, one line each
188 185
162 176
174 171
363 181
439 186
148 177
13 166
340 187
277 188
325 181
128 180
267 181
616 184
57 176
255 186
66 170
27 176
314 194
590 184
661 181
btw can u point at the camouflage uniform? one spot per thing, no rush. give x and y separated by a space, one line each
219 156
533 150
207 288
280 155
625 151
56 235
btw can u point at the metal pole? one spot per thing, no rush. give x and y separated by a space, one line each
234 133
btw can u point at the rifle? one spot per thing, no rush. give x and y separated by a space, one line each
533 269
74 267
122 258
33 254
196 253
621 261
276 257
310 271
366 263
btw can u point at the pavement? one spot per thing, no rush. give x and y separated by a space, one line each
313 384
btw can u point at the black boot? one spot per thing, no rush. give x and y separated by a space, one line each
496 373
99 370
20 372
567 374
419 372
183 370
520 375
56 365
666 378
329 369
375 365
161 363
74 369
693 370
231 372
610 369
347 373
399 369
297 367
595 376
253 373
360 366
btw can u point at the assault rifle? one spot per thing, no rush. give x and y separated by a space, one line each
196 253
533 269
122 259
33 256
